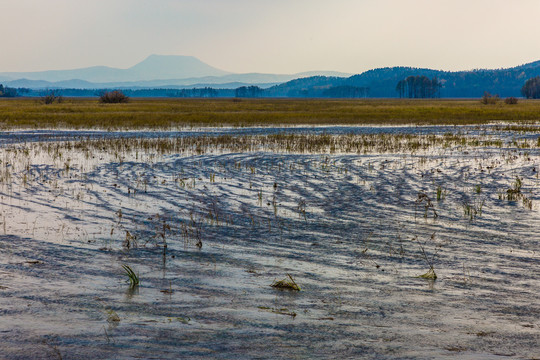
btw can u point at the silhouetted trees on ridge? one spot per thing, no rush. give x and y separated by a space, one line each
248 92
346 91
531 89
7 91
374 84
419 87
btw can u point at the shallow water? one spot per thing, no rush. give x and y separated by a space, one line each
350 229
497 130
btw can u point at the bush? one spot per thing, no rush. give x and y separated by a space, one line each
113 97
489 99
51 97
511 100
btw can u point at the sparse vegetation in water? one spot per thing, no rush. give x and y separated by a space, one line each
130 241
280 311
430 274
441 193
112 316
181 319
514 193
474 209
424 201
132 277
246 195
286 284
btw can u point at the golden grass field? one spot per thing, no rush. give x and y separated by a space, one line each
80 113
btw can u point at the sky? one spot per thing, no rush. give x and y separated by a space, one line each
270 36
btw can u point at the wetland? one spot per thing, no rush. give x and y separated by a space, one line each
308 241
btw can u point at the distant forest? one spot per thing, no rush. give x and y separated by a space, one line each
531 89
207 92
405 82
422 87
8 92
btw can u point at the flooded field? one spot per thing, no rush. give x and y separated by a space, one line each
405 242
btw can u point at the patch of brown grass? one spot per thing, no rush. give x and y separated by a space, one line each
80 113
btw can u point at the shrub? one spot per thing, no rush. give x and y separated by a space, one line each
51 97
511 100
113 97
489 99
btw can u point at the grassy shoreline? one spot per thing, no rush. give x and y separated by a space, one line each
77 113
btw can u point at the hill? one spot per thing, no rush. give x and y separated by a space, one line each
382 82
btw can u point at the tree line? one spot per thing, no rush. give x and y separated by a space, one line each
346 91
252 91
531 89
7 91
419 87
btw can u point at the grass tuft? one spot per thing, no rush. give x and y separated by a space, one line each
431 275
286 284
133 278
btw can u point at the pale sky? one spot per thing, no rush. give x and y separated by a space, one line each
272 36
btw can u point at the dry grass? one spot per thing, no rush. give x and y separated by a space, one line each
169 113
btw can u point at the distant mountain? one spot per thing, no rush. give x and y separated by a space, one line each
161 67
382 82
42 84
226 82
154 71
186 72
155 67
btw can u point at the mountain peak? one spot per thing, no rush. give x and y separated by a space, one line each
153 58
154 67
161 67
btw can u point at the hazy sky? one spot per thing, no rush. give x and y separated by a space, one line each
278 36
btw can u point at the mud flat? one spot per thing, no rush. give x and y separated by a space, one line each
420 243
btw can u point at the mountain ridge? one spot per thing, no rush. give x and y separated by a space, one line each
154 67
379 82
155 70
